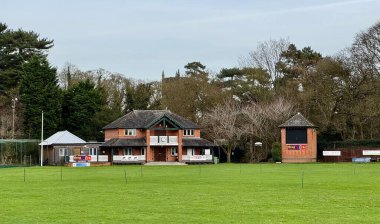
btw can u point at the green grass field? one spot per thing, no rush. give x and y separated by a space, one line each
224 193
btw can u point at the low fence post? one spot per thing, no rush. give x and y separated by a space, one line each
125 176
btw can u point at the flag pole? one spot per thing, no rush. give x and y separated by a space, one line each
42 136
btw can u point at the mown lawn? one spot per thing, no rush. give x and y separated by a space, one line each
224 193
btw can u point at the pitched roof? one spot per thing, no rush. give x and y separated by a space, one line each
146 118
63 138
197 142
124 142
297 121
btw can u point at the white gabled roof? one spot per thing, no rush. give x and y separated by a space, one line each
63 138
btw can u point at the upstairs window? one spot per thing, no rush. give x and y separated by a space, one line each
130 132
188 132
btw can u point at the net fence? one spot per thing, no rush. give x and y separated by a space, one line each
19 152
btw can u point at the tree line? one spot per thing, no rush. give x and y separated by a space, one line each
237 106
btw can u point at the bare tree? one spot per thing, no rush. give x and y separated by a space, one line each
266 56
262 120
6 115
255 121
277 112
191 96
230 122
224 123
356 114
365 65
366 50
114 90
69 75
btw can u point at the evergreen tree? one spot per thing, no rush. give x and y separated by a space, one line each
40 92
81 103
108 112
139 96
16 48
196 70
246 84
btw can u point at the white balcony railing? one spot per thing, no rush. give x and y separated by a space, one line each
163 140
197 158
128 158
103 158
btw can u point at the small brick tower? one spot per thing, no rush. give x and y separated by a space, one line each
298 140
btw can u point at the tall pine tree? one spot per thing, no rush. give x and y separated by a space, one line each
40 92
16 48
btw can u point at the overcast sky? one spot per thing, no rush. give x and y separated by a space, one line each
141 38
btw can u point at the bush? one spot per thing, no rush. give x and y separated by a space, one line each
276 152
348 144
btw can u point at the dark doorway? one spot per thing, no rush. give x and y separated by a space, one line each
159 154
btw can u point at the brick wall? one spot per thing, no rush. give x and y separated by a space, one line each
111 133
307 152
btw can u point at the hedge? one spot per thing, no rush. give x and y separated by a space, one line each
349 144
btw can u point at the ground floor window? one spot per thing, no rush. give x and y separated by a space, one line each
63 152
205 152
128 152
174 151
92 151
143 151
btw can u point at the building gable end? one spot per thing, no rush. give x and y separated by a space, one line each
164 119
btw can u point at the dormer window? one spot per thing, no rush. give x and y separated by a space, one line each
188 132
130 132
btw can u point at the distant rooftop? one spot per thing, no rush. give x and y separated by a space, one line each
297 120
63 138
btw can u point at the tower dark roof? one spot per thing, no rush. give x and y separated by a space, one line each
144 119
297 121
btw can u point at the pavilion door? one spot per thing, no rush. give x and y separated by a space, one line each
76 151
159 154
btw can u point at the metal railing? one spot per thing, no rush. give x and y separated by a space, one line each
127 158
163 140
197 158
